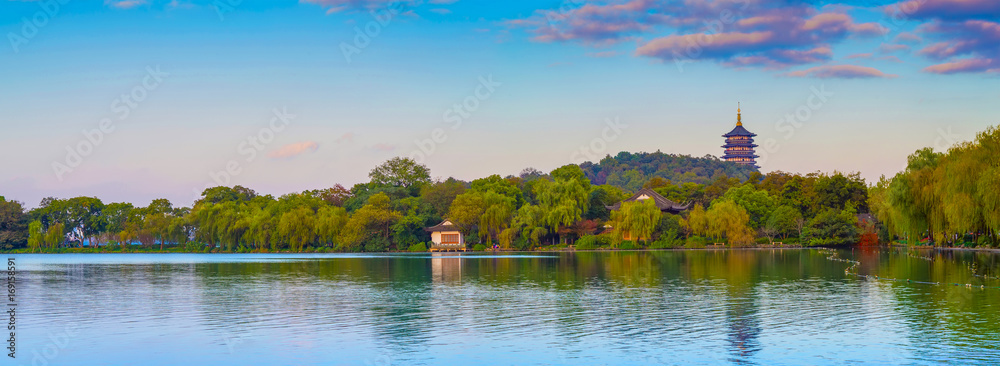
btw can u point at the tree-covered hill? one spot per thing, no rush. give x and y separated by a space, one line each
629 171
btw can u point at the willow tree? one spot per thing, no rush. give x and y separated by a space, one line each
296 228
36 237
372 221
727 219
497 215
565 198
638 219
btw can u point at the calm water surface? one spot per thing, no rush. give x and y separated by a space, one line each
767 307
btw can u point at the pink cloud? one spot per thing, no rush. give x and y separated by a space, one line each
750 33
603 54
966 65
861 55
334 6
907 37
840 72
978 41
124 4
890 48
296 149
956 10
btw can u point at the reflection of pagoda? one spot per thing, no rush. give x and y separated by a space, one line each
739 144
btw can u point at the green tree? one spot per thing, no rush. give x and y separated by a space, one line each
401 172
13 225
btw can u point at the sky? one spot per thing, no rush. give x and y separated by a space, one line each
133 100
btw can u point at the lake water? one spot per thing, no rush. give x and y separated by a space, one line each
767 307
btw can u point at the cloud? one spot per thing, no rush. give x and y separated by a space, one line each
124 4
967 46
953 10
840 72
890 48
346 137
965 65
861 55
334 6
603 54
383 147
441 11
292 150
746 33
907 37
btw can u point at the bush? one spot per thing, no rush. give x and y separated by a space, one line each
629 245
666 242
377 244
587 242
418 247
984 241
479 248
763 241
695 242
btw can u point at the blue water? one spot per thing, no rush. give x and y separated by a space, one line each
762 307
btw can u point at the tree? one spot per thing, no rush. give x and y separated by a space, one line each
371 222
297 228
757 203
466 210
497 215
55 235
832 227
566 198
36 237
401 172
440 195
637 219
729 220
13 225
783 221
84 219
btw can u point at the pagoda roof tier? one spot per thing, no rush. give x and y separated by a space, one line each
739 131
739 145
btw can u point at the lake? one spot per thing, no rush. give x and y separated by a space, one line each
767 307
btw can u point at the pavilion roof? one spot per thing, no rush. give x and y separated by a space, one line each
445 225
663 203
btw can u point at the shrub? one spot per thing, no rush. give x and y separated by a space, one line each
629 245
587 242
418 247
695 242
666 242
479 248
763 241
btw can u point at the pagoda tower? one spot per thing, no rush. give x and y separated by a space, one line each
739 144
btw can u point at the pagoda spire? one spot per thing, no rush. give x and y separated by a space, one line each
739 118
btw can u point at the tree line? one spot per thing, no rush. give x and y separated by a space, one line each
524 211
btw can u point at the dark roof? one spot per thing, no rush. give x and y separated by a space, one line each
739 131
445 225
663 203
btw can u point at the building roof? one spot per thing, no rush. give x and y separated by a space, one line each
445 225
739 131
663 203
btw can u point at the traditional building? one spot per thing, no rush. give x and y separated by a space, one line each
739 144
662 203
446 237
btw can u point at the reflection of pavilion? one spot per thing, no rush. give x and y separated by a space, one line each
446 267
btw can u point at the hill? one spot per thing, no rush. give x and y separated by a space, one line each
629 171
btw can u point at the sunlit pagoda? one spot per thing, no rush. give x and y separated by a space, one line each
739 144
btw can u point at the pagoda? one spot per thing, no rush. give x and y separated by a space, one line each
739 144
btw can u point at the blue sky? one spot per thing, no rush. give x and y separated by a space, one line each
827 85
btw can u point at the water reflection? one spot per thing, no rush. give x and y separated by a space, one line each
709 307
